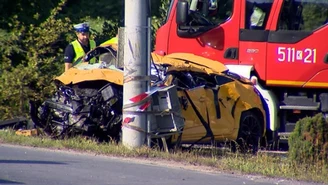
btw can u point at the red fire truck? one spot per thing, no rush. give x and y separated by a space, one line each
281 45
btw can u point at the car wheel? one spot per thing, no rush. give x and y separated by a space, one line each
250 132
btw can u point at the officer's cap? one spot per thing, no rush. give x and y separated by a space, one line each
82 27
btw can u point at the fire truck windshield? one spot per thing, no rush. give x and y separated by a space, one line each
214 12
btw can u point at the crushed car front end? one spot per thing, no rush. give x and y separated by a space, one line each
88 100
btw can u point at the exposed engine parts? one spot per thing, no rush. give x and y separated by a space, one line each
89 108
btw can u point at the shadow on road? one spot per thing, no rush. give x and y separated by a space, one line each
2 181
29 162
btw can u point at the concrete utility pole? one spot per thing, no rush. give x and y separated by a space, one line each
135 69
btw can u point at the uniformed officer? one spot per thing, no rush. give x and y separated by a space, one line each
80 46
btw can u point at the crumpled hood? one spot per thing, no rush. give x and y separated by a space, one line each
91 72
75 75
189 62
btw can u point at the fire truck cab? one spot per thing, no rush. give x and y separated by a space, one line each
281 45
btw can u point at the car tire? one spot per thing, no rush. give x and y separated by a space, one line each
250 132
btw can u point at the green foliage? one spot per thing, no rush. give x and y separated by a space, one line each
26 11
33 35
104 16
30 62
308 142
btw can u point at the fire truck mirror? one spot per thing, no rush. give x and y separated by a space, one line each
182 12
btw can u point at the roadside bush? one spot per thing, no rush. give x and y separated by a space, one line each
29 57
308 142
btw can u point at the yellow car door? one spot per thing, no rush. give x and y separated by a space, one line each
221 108
194 107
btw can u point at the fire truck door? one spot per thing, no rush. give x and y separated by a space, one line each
297 46
213 34
256 16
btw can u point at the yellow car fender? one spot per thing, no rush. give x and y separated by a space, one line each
247 102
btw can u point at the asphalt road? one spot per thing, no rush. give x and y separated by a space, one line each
32 166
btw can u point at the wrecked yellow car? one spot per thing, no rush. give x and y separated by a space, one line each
88 99
217 105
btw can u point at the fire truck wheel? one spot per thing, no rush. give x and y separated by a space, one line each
250 132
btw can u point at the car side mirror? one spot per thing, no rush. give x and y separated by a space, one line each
182 12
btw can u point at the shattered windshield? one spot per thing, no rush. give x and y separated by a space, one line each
105 58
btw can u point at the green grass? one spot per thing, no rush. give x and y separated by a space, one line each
260 164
